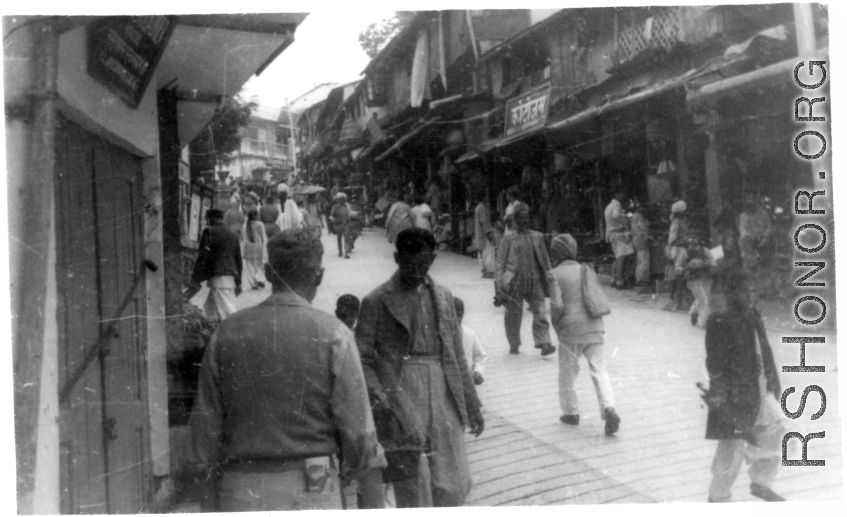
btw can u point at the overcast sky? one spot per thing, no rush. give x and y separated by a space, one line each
325 49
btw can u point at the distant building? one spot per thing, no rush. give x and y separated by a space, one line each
265 152
312 97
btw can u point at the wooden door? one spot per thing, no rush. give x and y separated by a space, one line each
105 444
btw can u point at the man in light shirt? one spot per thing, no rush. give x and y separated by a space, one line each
422 214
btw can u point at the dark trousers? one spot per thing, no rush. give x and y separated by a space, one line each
624 269
514 317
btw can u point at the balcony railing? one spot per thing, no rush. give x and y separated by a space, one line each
663 30
262 148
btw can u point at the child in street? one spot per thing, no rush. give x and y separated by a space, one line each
474 353
698 265
744 413
347 310
442 232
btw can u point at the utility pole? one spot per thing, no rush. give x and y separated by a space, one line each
291 138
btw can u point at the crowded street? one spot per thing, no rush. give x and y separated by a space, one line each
365 258
526 456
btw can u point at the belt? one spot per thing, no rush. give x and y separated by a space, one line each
274 465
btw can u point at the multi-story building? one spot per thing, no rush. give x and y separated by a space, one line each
266 152
320 131
666 102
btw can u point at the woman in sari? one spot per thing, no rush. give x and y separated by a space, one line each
255 240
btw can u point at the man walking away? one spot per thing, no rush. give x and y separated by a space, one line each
744 412
618 235
268 214
483 240
399 218
233 219
579 334
281 403
339 218
422 392
523 273
255 241
224 266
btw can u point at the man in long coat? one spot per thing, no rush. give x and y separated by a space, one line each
225 267
744 414
421 389
523 273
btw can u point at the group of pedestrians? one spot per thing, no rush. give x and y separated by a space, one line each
743 415
233 247
744 390
295 410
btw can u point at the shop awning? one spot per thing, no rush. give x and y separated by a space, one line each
368 150
658 89
211 56
784 70
408 136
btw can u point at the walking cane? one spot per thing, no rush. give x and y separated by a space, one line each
106 333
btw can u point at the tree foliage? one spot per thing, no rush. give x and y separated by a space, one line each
375 35
222 136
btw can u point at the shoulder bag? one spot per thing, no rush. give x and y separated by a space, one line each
593 296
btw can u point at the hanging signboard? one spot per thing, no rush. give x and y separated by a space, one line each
123 52
527 112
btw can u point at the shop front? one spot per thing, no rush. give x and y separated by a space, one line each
94 152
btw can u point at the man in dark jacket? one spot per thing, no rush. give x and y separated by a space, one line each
523 273
744 414
421 389
282 410
226 265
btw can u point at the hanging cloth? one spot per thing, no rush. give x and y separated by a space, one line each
419 70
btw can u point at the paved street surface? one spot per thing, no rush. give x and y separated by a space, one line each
527 457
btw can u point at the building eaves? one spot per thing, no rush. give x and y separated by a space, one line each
528 33
387 52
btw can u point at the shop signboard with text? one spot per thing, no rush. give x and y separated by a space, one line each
123 52
527 113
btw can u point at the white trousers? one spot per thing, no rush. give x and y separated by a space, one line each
700 289
252 269
222 300
763 460
569 369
